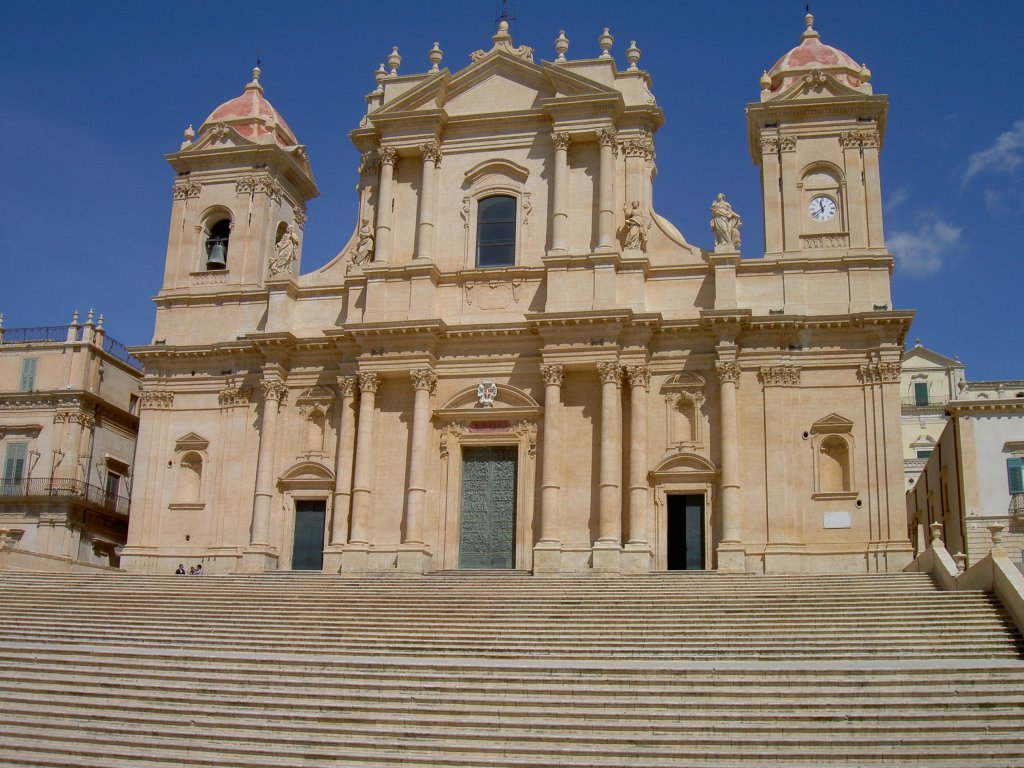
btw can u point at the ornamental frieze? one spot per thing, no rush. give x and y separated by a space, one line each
159 401
232 397
880 373
861 138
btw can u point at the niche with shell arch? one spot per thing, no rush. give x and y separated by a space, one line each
314 406
684 417
192 459
833 458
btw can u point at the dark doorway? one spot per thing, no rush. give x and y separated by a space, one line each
686 533
487 527
308 549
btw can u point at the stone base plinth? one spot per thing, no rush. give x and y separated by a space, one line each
731 558
547 557
332 559
414 558
258 558
575 559
355 558
637 558
607 557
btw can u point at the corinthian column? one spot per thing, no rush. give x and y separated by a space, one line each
606 138
548 552
385 201
423 381
428 188
363 475
274 393
639 381
343 461
610 493
560 209
730 549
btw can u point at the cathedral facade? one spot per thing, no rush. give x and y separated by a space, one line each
515 362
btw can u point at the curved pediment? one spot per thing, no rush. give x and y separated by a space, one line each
507 396
690 465
496 167
307 475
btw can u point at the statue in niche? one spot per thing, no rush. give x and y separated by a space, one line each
363 252
725 223
284 252
637 224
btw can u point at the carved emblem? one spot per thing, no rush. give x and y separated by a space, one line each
486 391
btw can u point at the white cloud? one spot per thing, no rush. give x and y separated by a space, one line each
896 198
1005 156
924 250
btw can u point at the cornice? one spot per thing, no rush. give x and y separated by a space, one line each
1007 405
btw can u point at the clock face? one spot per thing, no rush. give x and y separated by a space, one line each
822 208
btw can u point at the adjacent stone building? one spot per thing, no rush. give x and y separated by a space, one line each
516 362
69 399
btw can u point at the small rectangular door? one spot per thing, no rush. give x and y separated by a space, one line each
487 517
686 533
308 546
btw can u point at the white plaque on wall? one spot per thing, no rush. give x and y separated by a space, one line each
837 519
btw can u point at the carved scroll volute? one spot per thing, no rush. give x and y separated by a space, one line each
552 374
369 381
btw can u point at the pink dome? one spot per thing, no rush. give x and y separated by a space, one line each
814 54
253 116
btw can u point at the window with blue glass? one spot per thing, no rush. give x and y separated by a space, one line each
496 231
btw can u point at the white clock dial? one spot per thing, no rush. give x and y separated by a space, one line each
822 208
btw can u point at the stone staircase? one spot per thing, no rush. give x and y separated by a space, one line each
485 669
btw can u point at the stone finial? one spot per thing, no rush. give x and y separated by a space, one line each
435 55
605 41
961 561
394 61
996 532
502 35
1 320
380 76
766 81
99 323
936 529
809 30
632 55
88 319
74 318
254 84
865 74
189 134
561 45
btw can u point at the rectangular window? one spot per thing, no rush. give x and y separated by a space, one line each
496 232
923 454
920 393
1015 475
113 485
28 374
14 468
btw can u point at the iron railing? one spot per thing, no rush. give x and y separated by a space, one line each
1016 505
914 402
59 333
119 351
77 490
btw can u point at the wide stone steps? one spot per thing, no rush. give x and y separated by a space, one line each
502 670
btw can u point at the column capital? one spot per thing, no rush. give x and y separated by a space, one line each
552 374
780 375
347 386
388 155
369 162
274 389
607 137
368 381
561 139
728 371
611 373
431 151
423 378
638 375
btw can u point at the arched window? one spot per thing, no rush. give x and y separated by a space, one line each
190 478
315 431
496 231
834 465
217 245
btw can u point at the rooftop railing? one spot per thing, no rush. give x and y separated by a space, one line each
1016 505
59 333
76 490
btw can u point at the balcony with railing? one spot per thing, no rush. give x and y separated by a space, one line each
57 488
1016 508
59 334
920 403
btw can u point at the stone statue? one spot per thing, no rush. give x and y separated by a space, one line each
284 252
725 223
637 225
363 252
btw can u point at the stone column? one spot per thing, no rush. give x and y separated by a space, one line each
637 557
385 200
560 208
547 554
343 461
871 144
260 555
362 481
609 541
413 555
792 201
606 138
731 556
431 154
771 174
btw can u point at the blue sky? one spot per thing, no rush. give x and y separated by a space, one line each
93 95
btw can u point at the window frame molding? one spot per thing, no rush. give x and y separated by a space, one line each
492 178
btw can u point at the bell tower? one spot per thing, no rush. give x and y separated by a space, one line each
816 133
239 205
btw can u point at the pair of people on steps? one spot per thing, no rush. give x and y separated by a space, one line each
195 570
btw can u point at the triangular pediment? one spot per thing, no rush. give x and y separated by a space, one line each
831 424
922 357
191 442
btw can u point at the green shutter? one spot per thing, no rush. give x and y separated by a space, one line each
1014 469
14 463
28 374
921 393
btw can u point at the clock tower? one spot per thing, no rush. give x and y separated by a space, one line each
816 133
